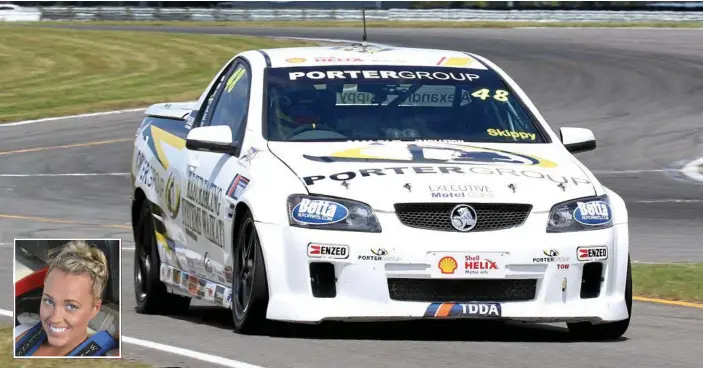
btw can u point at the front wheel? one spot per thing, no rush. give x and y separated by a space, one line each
150 293
606 331
249 284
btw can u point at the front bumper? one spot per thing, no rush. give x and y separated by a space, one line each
525 285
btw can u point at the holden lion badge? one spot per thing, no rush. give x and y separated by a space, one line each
463 217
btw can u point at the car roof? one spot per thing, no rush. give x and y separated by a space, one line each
369 54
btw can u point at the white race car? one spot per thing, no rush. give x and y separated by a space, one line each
363 182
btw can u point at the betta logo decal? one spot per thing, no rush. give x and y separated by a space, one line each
447 265
592 213
319 212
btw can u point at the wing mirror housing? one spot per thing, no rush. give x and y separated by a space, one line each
217 139
577 140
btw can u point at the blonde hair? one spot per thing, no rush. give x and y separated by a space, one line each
78 257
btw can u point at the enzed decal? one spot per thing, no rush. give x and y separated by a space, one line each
237 186
414 153
483 310
590 254
593 213
295 60
172 195
328 251
319 212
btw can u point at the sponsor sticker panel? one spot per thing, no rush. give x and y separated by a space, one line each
467 265
328 251
197 287
592 254
467 310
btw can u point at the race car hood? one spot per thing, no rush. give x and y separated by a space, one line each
382 174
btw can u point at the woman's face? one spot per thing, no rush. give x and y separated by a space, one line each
66 308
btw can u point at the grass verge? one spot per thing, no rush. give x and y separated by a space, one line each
7 359
53 72
680 281
390 24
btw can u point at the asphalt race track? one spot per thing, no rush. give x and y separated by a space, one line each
638 90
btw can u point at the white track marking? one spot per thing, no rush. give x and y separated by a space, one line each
128 248
694 169
26 122
189 353
173 350
66 174
671 201
616 172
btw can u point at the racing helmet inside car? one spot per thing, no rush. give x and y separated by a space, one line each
302 106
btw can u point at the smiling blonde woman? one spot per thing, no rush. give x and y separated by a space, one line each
72 297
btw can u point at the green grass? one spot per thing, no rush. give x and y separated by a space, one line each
680 281
391 24
53 72
8 361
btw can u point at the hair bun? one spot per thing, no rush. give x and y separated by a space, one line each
78 257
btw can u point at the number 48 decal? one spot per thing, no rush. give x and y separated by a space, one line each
500 95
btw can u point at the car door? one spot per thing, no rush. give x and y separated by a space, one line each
214 181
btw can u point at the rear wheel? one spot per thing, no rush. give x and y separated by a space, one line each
606 331
249 284
150 293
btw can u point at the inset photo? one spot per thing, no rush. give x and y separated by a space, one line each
67 298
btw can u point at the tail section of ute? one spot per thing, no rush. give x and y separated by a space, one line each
157 157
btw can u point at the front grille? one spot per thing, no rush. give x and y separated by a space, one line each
436 216
443 290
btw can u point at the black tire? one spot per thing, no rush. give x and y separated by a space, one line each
606 331
149 292
249 313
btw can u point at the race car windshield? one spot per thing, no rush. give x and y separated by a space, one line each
328 104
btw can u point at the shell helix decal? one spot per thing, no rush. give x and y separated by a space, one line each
592 213
444 153
172 195
319 212
447 265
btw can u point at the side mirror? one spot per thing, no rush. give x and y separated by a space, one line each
577 139
216 139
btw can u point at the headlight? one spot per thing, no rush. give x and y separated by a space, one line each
318 212
592 213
